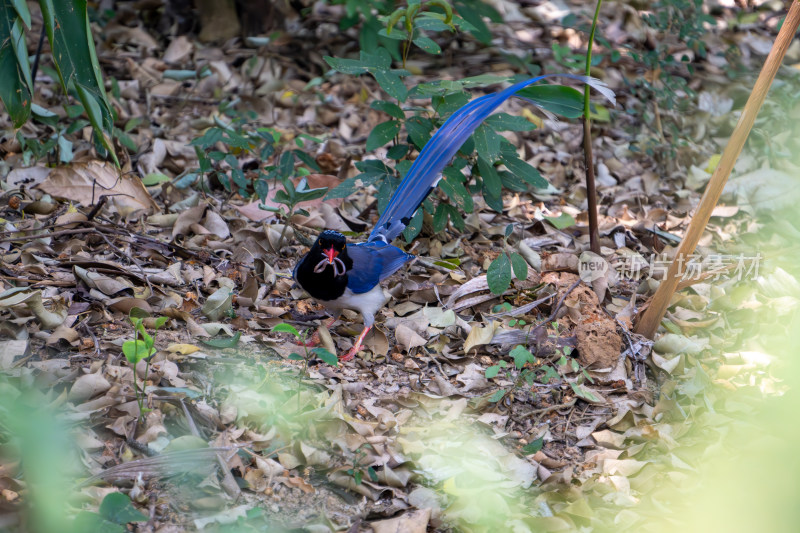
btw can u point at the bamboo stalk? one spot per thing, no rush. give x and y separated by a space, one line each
651 319
591 189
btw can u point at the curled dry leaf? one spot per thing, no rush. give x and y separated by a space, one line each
10 350
88 386
187 219
480 335
63 333
218 304
183 349
408 338
106 285
33 299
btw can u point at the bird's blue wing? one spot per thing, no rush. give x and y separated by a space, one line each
372 263
424 174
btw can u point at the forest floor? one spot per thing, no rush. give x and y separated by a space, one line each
436 425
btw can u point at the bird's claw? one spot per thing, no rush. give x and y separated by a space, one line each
349 355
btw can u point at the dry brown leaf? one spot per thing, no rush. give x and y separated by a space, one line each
88 386
408 338
85 183
410 522
480 335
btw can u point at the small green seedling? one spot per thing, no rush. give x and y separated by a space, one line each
116 511
498 276
322 353
357 471
142 346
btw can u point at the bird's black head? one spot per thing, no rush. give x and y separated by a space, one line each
323 270
329 254
332 243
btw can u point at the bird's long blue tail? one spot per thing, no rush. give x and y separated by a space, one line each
426 171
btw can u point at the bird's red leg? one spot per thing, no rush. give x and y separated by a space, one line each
314 340
354 350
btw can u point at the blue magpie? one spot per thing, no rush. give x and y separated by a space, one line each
343 275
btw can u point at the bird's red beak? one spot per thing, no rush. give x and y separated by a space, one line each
330 253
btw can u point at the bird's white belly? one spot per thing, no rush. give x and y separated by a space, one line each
367 303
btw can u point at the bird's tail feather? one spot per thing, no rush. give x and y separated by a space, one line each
426 171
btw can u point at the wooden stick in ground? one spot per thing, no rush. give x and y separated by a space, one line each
651 319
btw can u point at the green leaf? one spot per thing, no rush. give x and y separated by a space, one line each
22 10
419 130
378 60
304 194
450 264
550 373
497 396
453 186
67 26
521 355
487 143
86 522
389 108
373 475
414 226
285 164
584 393
374 167
523 170
286 328
519 265
427 22
351 185
64 149
471 13
559 99
392 84
492 185
346 66
599 113
154 178
533 447
440 218
449 103
326 356
224 342
136 350
117 508
15 84
499 275
506 122
295 357
397 34
179 75
428 45
307 159
398 151
492 371
561 221
382 134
